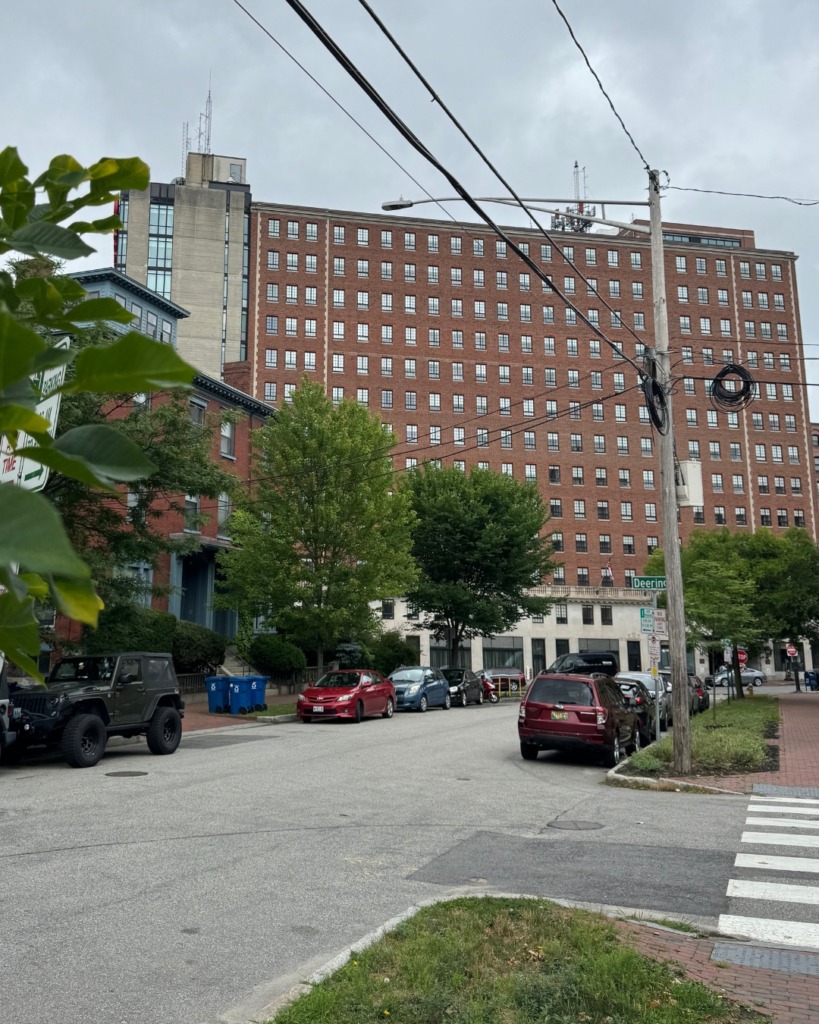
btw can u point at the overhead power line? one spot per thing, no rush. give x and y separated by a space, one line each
520 202
744 195
600 85
330 44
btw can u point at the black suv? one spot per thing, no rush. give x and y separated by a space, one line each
88 698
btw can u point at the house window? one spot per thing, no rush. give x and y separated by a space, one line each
228 440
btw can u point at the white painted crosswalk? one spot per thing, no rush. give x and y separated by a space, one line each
779 908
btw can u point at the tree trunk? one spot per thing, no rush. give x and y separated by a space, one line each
736 669
320 658
454 646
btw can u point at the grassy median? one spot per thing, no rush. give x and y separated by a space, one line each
729 739
508 961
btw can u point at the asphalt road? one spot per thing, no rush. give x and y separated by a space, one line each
204 889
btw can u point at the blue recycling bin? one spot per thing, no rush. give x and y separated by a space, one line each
241 695
258 685
218 690
811 681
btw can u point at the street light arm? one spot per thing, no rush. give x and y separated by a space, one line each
405 204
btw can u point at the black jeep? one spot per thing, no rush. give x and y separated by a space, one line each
88 698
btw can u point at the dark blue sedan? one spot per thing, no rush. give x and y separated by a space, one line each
419 687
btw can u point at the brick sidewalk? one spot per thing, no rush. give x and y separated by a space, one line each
798 749
788 998
198 717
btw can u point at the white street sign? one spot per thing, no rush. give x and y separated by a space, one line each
660 622
647 621
654 650
22 471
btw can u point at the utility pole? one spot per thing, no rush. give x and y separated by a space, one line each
680 697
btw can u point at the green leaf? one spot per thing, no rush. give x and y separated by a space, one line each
52 239
94 454
102 226
19 630
77 599
133 363
12 167
16 417
98 309
33 536
18 347
16 202
115 174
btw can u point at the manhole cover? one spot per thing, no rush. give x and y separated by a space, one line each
574 826
124 775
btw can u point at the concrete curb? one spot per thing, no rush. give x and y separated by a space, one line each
661 785
276 719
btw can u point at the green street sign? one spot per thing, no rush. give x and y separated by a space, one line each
648 583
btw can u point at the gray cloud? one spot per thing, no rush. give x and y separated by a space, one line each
721 94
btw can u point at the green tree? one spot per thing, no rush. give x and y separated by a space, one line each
479 545
117 530
323 534
39 219
391 650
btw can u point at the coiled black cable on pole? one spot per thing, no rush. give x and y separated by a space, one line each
730 399
656 399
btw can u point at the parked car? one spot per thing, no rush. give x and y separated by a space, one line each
586 663
418 687
638 696
350 693
693 695
569 712
508 680
89 698
656 686
750 677
464 686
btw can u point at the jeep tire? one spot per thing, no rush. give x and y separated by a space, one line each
83 741
165 731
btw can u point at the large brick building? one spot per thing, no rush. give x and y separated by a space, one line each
473 361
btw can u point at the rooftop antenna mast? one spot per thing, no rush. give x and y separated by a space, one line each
203 132
573 218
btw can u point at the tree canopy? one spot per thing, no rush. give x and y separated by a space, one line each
479 547
322 533
39 219
748 588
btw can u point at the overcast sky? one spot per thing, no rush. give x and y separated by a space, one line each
720 93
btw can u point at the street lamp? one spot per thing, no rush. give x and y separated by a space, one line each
668 493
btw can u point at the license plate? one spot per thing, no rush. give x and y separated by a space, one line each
560 716
317 710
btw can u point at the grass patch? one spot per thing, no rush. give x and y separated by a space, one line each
276 709
508 961
738 743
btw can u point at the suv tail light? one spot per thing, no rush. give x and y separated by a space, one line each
522 712
602 715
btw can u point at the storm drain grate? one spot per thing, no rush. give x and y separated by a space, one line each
574 826
771 959
803 791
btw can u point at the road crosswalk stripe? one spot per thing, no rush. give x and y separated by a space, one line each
787 933
783 800
774 839
773 891
770 862
782 822
779 809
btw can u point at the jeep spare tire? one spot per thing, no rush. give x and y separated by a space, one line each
83 741
165 731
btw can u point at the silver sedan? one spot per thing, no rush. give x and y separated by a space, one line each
656 686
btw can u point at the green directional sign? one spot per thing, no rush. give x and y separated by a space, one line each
648 583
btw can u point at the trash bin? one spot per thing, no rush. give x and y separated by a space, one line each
811 681
218 689
257 692
241 698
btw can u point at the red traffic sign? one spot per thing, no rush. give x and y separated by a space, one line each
742 657
791 650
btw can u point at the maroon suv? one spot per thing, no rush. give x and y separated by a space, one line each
567 712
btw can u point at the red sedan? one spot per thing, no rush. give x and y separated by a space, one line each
353 693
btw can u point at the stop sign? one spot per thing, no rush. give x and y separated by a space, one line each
742 658
791 650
